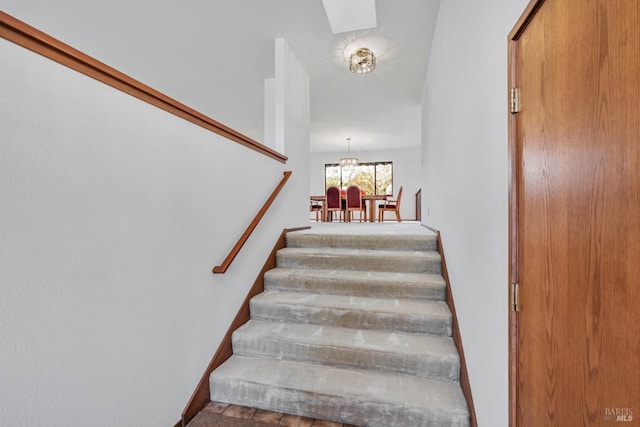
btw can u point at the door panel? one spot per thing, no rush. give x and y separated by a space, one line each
577 221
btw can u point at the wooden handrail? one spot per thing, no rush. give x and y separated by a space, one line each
218 269
43 44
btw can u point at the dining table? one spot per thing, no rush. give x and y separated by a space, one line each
369 199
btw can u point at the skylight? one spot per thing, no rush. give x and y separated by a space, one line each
350 15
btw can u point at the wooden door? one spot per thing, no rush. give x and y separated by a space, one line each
575 214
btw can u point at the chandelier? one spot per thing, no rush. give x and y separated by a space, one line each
348 161
362 61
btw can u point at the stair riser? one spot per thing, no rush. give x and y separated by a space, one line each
419 263
363 287
350 328
350 318
372 414
438 368
402 243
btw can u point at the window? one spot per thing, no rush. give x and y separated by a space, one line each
372 177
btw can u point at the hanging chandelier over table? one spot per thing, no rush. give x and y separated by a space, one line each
348 161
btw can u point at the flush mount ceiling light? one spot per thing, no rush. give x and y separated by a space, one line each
362 61
348 161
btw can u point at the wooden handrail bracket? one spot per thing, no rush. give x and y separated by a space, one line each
43 44
218 269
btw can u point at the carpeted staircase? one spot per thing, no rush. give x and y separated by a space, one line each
351 328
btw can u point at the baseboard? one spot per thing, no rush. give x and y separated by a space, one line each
201 395
465 384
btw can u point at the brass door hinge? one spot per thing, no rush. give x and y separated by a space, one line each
515 100
515 297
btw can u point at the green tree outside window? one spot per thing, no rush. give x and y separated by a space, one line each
371 177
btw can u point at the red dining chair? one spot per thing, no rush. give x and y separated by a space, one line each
316 206
354 202
391 205
334 203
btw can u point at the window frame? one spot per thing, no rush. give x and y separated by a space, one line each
375 178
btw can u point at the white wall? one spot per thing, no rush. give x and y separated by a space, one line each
292 118
112 214
406 173
465 182
270 113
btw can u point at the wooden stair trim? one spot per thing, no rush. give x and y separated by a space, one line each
222 268
201 395
215 411
465 384
43 44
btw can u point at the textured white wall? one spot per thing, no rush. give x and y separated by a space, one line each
270 113
406 173
465 190
292 96
112 214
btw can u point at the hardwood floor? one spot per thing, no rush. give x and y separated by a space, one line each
266 417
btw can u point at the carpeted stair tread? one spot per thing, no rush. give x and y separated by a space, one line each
425 356
406 315
360 259
357 283
352 396
364 237
353 327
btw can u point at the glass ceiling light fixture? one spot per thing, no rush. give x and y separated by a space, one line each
362 61
348 161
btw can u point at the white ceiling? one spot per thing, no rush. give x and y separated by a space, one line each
214 55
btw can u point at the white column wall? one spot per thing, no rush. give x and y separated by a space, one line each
465 182
270 113
406 173
292 119
112 214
